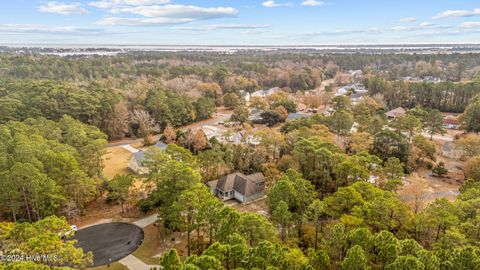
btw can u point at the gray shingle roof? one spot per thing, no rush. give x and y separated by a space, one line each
161 145
293 116
140 155
244 184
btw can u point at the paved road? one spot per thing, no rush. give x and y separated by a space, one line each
134 263
109 242
438 137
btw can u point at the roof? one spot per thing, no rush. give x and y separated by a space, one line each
140 155
396 112
293 116
161 145
451 121
265 93
244 184
211 131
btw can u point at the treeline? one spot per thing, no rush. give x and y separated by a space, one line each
232 73
444 96
299 70
116 107
49 167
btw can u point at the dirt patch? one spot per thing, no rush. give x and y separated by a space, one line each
99 211
116 162
422 188
259 206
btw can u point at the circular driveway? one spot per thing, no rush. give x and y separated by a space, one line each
109 242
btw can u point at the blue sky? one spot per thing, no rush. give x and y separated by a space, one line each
239 22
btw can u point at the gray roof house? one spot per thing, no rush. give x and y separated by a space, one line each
136 161
238 186
398 112
294 116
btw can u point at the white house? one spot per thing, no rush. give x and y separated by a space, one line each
265 93
245 95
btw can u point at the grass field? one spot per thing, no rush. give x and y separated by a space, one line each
116 162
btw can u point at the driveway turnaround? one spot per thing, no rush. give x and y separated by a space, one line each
109 242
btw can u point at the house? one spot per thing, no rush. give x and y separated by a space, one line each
136 162
243 188
354 128
342 91
256 115
410 79
451 123
431 79
294 116
244 95
243 138
265 93
356 75
213 132
398 112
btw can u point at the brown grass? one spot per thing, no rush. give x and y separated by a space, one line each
116 162
150 247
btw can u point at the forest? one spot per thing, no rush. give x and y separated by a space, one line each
57 116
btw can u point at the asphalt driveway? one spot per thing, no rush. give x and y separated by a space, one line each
109 242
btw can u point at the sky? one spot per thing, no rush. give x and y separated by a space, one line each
239 22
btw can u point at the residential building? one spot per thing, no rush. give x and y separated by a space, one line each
398 112
265 93
431 79
451 123
255 115
136 162
243 188
294 116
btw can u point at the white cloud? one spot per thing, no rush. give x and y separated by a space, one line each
470 25
312 3
62 8
107 4
167 14
180 11
421 26
272 4
142 21
211 27
457 13
408 19
254 32
64 30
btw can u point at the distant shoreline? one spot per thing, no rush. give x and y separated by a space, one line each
113 49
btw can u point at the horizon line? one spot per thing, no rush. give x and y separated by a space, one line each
240 45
